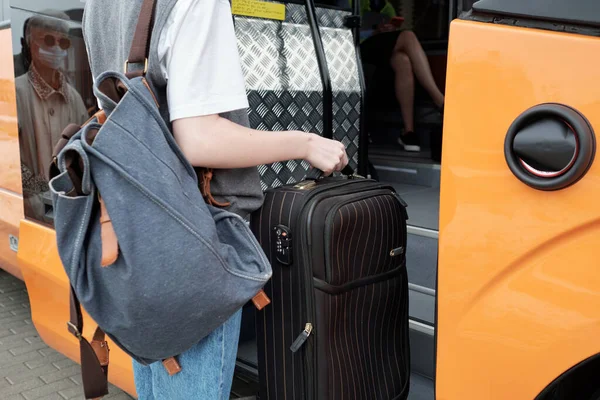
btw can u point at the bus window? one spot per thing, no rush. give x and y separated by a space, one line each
53 89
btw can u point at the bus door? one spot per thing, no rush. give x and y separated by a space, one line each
518 282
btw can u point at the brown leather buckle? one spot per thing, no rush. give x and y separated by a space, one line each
74 331
102 351
126 66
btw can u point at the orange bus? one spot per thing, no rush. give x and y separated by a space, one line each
504 289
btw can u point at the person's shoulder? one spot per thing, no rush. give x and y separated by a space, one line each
21 78
22 82
185 8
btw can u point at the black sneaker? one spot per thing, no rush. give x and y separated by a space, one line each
410 141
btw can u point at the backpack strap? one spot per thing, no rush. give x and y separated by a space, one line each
93 356
140 45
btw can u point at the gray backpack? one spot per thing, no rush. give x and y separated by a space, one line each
151 262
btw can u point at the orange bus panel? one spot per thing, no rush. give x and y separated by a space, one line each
11 201
519 281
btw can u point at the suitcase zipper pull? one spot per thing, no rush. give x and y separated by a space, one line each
301 338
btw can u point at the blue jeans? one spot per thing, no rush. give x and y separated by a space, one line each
207 369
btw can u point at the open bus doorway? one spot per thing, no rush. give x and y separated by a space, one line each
414 174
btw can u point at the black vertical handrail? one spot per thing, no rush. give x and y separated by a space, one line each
363 138
323 69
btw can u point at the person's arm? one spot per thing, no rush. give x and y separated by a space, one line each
200 61
215 142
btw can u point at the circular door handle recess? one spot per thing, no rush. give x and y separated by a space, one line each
550 146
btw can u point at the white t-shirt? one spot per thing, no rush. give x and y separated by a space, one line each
199 59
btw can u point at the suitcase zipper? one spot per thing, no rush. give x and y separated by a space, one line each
301 339
305 218
309 312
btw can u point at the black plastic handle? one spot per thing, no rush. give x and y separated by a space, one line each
315 174
550 146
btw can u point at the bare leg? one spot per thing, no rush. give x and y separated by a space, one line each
408 43
405 88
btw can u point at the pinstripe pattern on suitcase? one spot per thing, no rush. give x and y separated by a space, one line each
348 280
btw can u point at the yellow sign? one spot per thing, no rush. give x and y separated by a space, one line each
258 9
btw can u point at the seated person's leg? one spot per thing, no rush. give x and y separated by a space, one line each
408 43
404 85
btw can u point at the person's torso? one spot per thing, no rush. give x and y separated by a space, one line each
108 28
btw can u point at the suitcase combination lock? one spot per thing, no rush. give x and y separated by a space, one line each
283 244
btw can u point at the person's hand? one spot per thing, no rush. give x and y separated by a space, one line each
325 154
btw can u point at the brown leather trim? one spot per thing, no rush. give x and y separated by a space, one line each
113 88
205 175
261 300
100 346
141 37
145 82
172 366
94 356
74 167
100 115
65 136
110 244
94 375
91 136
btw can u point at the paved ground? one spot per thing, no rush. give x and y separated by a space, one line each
28 368
31 370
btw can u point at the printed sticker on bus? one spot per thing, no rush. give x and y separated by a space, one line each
258 9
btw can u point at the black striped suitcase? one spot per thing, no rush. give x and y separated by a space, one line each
337 327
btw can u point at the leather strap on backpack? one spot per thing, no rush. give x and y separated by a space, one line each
93 356
140 45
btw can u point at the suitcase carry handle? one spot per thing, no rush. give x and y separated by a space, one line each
315 174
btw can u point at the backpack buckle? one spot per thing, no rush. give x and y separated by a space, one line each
126 66
74 331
